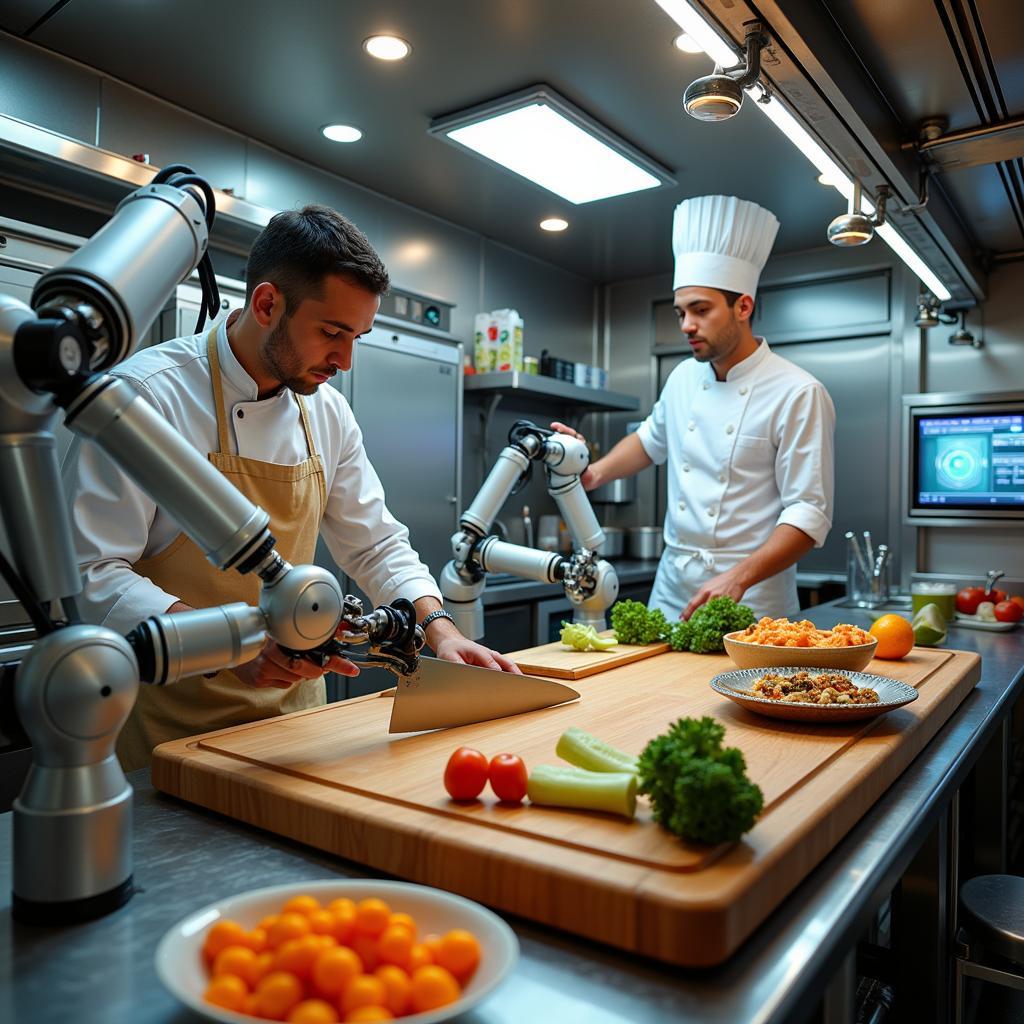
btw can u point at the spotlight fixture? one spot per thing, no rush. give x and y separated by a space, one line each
719 96
962 336
929 313
554 224
856 227
387 47
341 133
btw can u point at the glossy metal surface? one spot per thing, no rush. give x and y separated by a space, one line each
103 973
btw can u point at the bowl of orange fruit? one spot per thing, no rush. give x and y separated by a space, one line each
334 951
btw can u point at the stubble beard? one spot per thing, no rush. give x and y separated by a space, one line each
722 345
283 362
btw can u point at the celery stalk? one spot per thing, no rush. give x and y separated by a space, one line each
579 747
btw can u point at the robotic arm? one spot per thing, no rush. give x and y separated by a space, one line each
589 582
75 688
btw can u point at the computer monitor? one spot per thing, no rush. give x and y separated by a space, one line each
964 458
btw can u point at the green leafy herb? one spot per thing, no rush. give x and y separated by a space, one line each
634 623
702 632
698 789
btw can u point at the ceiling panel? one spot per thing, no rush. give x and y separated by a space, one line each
20 15
279 72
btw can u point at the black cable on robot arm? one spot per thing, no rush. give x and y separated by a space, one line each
28 600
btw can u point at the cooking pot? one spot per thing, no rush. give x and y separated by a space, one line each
645 542
614 540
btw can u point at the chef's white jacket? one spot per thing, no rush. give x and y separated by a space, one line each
744 455
114 524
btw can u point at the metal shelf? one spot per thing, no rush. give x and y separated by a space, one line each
530 385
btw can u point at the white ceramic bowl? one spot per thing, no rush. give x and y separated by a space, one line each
179 960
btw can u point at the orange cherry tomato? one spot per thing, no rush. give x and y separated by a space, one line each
508 777
466 774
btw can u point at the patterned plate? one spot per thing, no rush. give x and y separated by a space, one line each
736 686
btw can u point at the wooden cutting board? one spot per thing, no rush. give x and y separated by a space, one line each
333 777
558 661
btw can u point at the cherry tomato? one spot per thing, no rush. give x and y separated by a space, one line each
1009 611
1018 599
995 596
465 774
508 777
968 599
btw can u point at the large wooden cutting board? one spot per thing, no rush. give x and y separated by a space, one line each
558 661
333 777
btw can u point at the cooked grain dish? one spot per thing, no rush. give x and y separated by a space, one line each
803 688
783 633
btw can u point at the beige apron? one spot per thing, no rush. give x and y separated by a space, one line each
295 498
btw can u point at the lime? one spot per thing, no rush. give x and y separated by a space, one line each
929 626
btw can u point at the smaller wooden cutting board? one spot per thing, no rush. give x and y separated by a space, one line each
560 662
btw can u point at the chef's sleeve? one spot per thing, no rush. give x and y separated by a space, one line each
805 462
110 524
363 537
653 432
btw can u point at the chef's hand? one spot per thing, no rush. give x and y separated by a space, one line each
466 652
725 584
273 668
590 479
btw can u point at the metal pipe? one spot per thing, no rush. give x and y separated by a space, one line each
966 135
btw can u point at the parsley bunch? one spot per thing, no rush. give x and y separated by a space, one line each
634 623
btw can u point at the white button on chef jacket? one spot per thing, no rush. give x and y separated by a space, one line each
768 430
115 524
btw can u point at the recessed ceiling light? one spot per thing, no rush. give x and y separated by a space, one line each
341 133
542 136
687 44
554 224
387 47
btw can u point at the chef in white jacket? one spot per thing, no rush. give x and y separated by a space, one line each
249 395
746 435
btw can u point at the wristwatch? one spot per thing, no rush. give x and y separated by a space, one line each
439 614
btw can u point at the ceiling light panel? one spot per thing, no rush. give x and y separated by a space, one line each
551 142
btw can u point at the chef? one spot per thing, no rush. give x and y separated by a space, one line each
747 436
248 394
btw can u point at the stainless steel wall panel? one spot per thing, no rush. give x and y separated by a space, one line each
132 122
37 87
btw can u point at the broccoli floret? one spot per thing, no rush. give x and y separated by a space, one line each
679 636
634 624
712 620
698 789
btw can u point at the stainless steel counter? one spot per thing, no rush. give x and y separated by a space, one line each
103 971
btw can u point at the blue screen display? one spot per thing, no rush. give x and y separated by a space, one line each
970 462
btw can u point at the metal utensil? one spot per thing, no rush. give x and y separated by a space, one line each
444 694
527 527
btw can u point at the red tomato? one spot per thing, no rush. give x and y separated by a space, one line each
465 774
968 599
1009 611
508 777
1018 599
995 596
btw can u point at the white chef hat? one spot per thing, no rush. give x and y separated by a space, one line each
721 242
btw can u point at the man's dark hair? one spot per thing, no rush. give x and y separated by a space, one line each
299 248
732 298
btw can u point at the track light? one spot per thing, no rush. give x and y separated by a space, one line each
962 336
719 96
856 227
929 313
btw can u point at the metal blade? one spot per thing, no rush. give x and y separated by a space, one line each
444 694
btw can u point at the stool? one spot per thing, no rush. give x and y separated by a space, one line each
992 921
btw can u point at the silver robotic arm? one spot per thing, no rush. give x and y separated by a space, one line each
589 582
75 688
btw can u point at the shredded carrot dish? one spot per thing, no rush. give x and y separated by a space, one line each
783 633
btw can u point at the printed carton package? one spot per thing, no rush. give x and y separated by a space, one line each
485 343
509 339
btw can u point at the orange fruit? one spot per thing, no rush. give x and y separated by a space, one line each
372 916
343 913
267 922
287 926
398 986
420 956
433 943
895 636
321 922
276 994
264 965
303 904
256 940
239 961
312 1011
298 955
366 947
459 951
227 990
334 969
223 934
363 990
405 920
432 987
395 945
364 1013
342 905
